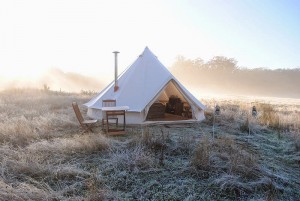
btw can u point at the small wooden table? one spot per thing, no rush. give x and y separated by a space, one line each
115 111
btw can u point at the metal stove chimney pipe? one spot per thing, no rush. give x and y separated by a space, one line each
116 71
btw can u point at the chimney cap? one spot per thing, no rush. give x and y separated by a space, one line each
116 52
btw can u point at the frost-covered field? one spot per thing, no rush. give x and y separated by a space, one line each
44 156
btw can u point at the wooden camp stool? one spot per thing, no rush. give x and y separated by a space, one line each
115 111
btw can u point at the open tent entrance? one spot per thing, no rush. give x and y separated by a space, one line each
170 105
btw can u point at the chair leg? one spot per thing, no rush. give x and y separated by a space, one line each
84 130
87 129
90 129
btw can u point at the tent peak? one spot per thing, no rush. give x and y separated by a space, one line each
147 51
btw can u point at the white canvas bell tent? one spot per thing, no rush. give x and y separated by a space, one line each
145 82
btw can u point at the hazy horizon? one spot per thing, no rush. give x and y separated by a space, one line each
203 87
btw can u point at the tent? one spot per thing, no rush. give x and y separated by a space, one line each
145 82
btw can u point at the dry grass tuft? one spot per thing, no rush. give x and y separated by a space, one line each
22 191
245 126
231 186
269 116
94 187
224 155
185 144
83 144
137 158
296 137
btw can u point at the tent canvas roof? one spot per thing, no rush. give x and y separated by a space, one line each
140 84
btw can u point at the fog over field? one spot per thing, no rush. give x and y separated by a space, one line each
218 77
56 80
222 75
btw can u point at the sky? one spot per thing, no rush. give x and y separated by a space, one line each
80 35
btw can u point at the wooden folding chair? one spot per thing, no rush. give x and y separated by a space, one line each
108 103
86 125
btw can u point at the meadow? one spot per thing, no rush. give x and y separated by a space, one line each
230 156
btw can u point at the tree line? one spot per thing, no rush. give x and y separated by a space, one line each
223 75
